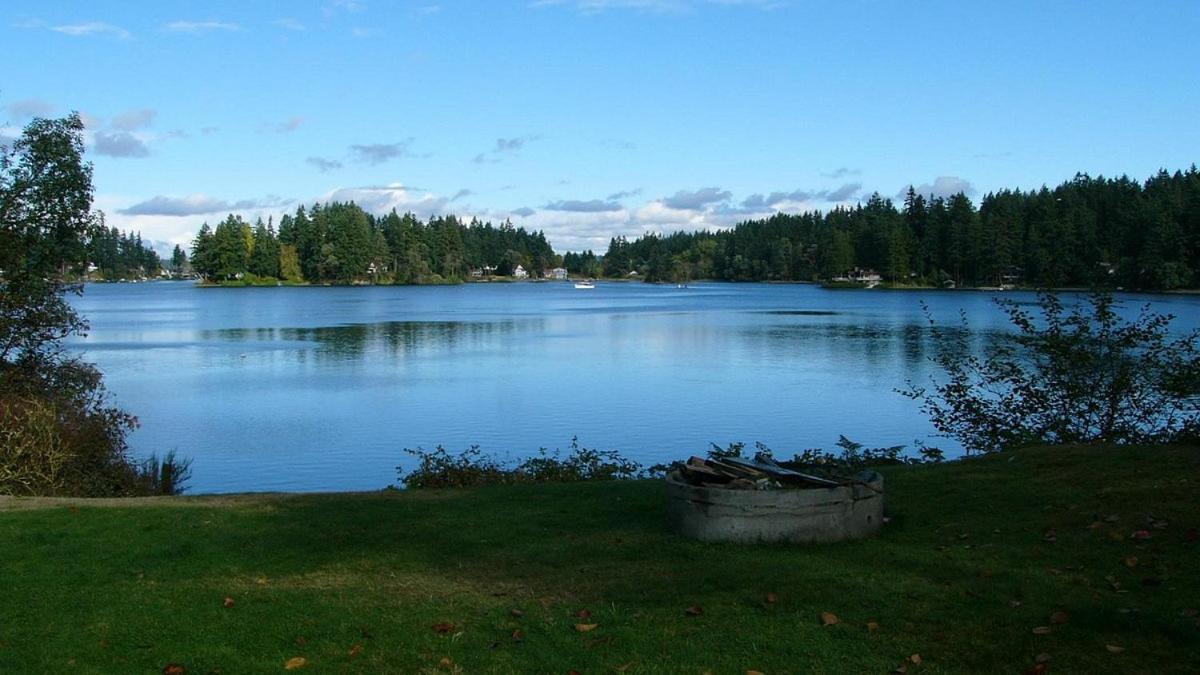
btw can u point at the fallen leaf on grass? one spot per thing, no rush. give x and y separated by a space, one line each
694 610
1059 617
1114 649
828 618
355 651
261 581
516 612
174 669
754 672
583 614
1041 630
518 635
901 669
915 659
872 626
443 627
1140 535
295 663
1131 561
586 627
228 602
600 642
772 598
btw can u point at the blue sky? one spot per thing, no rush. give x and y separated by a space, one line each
591 118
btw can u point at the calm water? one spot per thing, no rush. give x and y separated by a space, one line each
322 388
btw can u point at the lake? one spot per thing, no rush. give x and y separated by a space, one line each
310 389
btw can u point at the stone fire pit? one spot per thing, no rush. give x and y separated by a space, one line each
793 514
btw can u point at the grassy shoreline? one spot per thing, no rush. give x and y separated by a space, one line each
977 555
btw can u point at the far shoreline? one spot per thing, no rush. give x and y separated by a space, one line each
775 282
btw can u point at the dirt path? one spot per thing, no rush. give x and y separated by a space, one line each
9 503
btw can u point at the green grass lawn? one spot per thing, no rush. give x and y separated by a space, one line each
976 556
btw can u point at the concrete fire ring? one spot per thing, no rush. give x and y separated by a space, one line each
792 515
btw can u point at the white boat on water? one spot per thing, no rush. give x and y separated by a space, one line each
584 284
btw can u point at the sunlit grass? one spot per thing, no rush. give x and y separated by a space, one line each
977 555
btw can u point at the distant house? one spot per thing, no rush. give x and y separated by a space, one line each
520 273
865 276
1013 275
558 273
632 274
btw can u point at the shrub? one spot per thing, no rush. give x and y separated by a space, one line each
167 476
1078 375
33 454
58 436
472 467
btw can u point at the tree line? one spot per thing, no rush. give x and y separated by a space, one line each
120 255
339 242
1115 232
1086 231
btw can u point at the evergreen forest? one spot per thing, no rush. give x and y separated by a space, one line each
1114 232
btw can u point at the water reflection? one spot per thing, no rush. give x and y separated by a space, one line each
319 388
394 338
911 345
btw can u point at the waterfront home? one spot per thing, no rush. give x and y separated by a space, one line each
558 273
865 276
520 273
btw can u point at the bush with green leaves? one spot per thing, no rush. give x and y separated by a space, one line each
1066 375
473 467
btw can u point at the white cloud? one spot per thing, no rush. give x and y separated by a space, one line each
119 144
344 5
378 153
583 205
654 6
290 24
841 172
198 204
285 127
200 26
322 164
696 200
30 107
381 199
505 147
133 120
91 28
943 187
